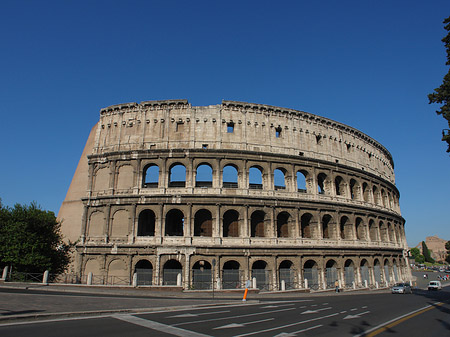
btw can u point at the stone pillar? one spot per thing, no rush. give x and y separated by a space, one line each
217 230
246 232
188 222
108 221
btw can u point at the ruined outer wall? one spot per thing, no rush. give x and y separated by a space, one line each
175 124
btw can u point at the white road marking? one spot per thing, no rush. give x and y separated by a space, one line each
277 306
354 309
240 325
364 307
315 311
237 316
158 326
196 315
356 316
291 334
287 325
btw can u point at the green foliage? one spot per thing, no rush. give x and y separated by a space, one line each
420 258
31 240
441 95
414 252
426 253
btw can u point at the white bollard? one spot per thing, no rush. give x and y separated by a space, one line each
179 280
254 283
354 285
283 285
306 283
5 273
89 279
365 284
135 280
45 277
376 285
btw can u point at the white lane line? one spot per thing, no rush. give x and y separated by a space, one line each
195 315
315 311
353 309
287 325
278 305
356 316
290 334
237 316
158 326
364 307
240 325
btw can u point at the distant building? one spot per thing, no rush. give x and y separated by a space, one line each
167 194
437 247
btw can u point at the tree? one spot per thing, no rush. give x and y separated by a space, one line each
447 248
419 258
31 240
414 252
426 253
441 95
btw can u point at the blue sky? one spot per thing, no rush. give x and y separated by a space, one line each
368 64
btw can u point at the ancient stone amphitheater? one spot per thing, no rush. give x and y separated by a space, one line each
169 194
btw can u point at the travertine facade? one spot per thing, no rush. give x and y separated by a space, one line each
232 192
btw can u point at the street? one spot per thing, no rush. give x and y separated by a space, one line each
423 313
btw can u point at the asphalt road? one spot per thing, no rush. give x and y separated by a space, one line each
422 314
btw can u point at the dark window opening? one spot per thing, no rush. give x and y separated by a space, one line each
231 224
146 223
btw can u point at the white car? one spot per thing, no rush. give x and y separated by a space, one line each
434 285
401 288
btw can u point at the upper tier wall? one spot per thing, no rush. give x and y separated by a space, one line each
175 124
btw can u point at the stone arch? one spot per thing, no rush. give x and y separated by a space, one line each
339 184
230 176
376 195
377 271
286 273
92 266
301 176
96 226
326 221
204 175
171 269
201 275
349 273
261 274
373 230
311 273
365 275
125 177
257 224
321 183
284 229
345 228
177 175
366 192
305 225
118 273
255 177
144 272
101 179
120 224
354 190
231 275
387 271
279 179
360 229
231 223
174 224
331 273
203 223
150 176
146 223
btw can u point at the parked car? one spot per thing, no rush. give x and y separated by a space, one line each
402 288
434 285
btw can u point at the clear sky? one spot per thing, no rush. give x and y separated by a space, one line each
369 64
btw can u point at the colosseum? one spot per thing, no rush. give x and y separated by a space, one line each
227 195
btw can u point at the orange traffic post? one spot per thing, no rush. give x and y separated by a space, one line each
245 295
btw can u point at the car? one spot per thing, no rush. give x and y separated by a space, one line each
401 288
434 285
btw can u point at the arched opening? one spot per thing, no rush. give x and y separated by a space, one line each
340 186
231 224
144 273
321 178
231 275
331 273
261 274
384 198
349 272
279 179
171 270
257 224
311 273
376 196
201 275
177 175
174 223
373 231
151 176
354 190
383 231
283 230
146 223
395 270
345 228
255 178
287 274
377 271
203 223
387 270
204 176
365 277
360 232
305 225
301 181
365 189
325 226
391 232
230 176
